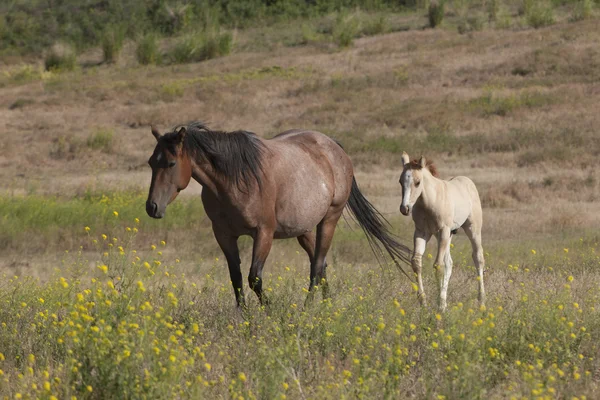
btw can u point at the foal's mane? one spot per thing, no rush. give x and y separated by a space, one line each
236 156
414 164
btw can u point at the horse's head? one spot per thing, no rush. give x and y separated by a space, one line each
171 171
411 179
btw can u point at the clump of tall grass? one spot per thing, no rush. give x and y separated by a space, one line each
112 42
60 57
376 26
538 13
147 51
101 140
435 13
583 10
201 46
346 28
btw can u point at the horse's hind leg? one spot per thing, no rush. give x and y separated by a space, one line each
473 231
307 241
325 231
443 258
263 239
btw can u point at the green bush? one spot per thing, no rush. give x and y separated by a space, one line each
539 13
147 51
345 30
376 26
217 45
583 10
435 13
112 43
470 24
201 46
60 57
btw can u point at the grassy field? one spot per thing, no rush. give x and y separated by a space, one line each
100 301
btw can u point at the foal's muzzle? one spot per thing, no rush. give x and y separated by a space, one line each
152 209
405 210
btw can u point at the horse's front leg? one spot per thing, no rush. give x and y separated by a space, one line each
443 258
420 241
263 239
229 246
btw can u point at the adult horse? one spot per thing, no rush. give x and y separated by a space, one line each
279 188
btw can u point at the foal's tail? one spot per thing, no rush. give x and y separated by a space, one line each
376 227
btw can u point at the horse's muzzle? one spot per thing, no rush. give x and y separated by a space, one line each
405 210
152 209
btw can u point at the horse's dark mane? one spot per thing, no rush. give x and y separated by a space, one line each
236 156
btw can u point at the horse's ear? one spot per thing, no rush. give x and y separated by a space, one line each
405 158
155 132
181 134
422 162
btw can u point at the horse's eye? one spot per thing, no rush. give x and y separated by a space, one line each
417 183
171 164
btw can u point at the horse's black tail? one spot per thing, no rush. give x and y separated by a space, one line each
377 228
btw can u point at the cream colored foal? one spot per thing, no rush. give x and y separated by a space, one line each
439 208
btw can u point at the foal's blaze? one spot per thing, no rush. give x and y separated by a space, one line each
171 171
410 180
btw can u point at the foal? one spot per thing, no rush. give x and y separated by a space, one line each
439 208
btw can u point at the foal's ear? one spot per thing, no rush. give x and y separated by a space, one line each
405 158
422 162
155 132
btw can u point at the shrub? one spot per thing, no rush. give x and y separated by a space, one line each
435 13
112 42
201 46
376 26
345 30
583 10
470 24
186 49
147 51
61 57
216 45
538 13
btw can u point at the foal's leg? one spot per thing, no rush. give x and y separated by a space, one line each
230 248
473 231
444 238
263 239
420 241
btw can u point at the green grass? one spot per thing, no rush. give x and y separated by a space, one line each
38 223
147 51
102 139
122 321
491 104
201 46
112 42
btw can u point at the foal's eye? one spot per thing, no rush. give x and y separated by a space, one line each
171 164
417 183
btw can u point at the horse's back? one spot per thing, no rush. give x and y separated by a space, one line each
324 152
312 173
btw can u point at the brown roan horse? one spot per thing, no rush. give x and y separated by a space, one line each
279 188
